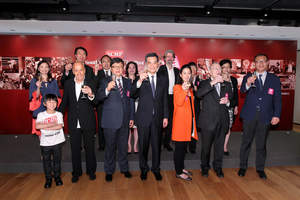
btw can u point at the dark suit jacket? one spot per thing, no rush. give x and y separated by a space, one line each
82 110
116 111
270 102
212 111
148 104
235 98
89 74
164 71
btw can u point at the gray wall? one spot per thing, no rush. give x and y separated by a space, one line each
297 88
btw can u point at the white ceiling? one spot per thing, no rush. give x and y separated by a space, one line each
148 29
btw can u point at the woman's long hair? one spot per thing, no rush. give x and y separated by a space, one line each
38 73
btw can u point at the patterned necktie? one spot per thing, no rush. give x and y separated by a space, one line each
152 86
120 88
217 86
260 81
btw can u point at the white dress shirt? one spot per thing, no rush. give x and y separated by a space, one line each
77 93
171 75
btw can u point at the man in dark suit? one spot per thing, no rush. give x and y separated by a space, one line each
80 54
262 107
105 72
117 118
79 100
171 74
151 115
214 118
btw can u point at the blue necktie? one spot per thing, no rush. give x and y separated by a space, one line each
152 86
260 82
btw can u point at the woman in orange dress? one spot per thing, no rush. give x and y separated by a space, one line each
184 123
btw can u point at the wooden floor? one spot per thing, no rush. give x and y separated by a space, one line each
296 127
282 183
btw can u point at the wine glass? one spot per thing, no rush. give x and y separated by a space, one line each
254 76
84 96
113 78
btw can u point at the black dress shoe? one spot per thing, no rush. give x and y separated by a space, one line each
48 183
204 172
168 147
143 176
242 172
92 176
108 177
219 173
226 153
58 181
158 176
75 179
261 174
127 174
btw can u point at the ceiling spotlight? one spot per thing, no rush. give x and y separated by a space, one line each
64 6
129 6
208 10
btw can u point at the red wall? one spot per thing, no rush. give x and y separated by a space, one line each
16 119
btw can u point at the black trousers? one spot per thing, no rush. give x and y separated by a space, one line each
179 155
147 135
259 130
116 140
89 148
192 144
51 160
168 129
101 139
208 138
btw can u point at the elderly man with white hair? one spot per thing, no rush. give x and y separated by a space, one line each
213 119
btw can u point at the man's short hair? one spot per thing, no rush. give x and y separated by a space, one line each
116 60
169 51
104 57
82 48
261 54
151 55
49 97
224 61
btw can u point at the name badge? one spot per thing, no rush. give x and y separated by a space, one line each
128 93
271 91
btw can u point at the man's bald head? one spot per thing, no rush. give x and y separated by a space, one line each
79 71
215 70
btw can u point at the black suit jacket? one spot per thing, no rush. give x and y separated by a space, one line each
235 93
148 104
212 111
89 74
164 71
82 110
116 111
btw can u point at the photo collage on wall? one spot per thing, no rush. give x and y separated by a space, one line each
17 72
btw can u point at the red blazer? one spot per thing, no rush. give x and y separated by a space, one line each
182 117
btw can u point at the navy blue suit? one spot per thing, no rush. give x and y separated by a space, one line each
117 111
261 104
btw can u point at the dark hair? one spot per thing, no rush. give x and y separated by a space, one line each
104 57
224 61
127 67
151 55
261 54
38 73
82 48
192 64
49 97
116 60
181 70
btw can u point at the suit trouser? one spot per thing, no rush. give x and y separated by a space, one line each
89 147
147 135
116 139
101 138
51 164
259 130
192 144
168 129
179 155
216 136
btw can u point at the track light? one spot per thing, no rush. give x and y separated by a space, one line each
129 7
64 6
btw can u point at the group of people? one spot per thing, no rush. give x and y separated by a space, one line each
157 105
